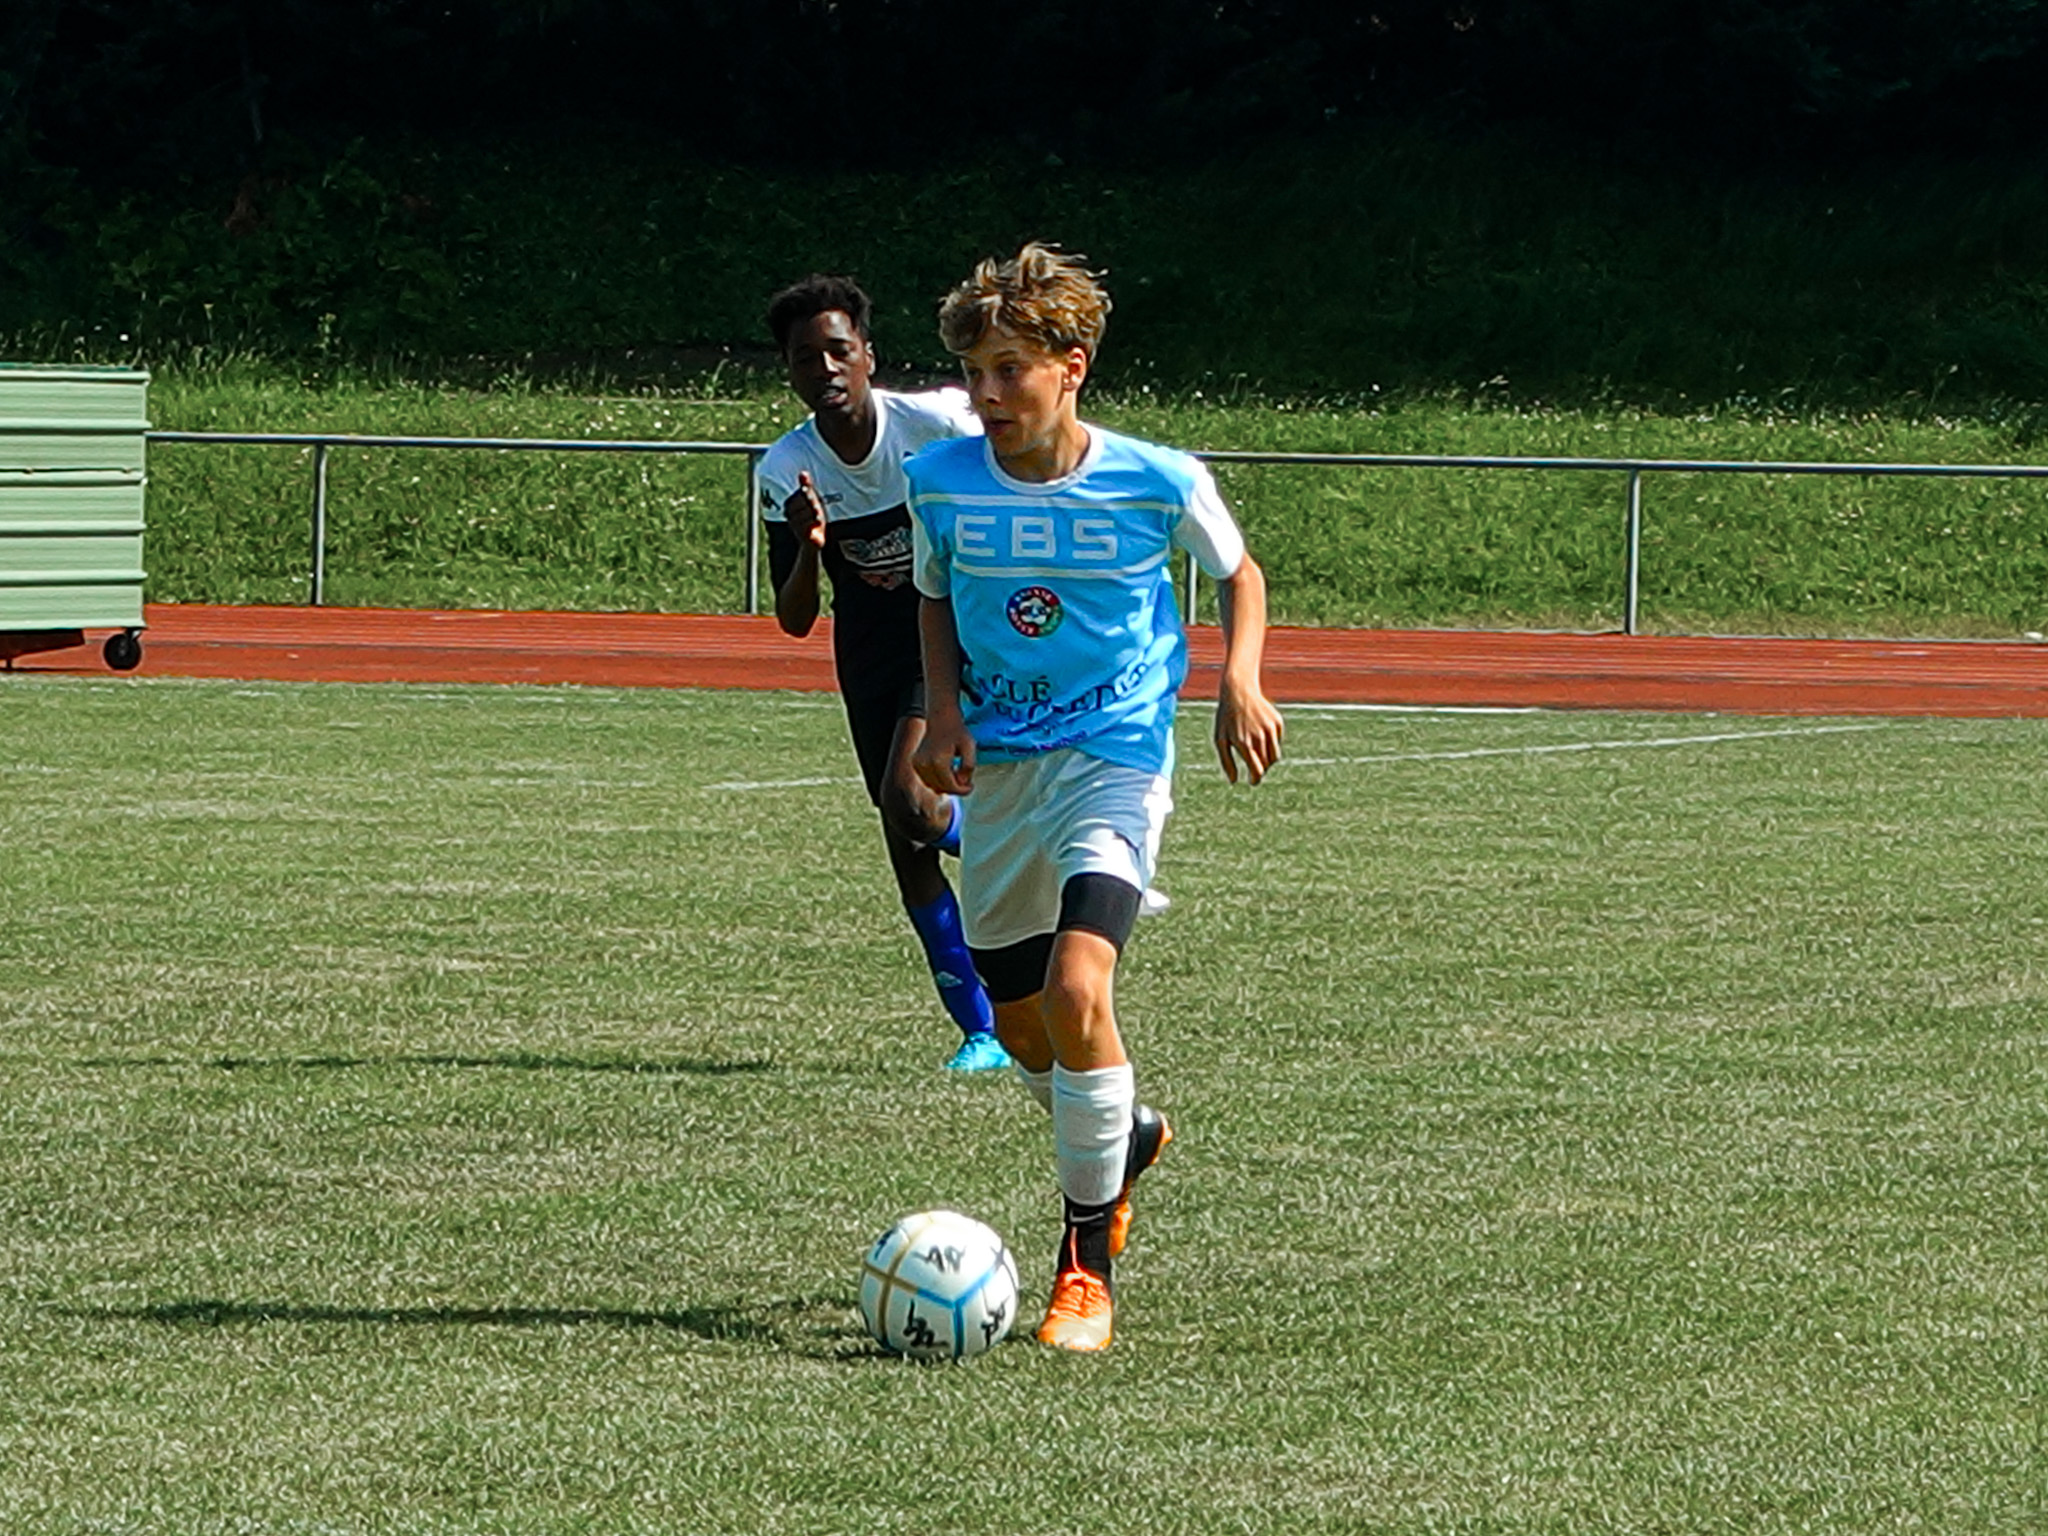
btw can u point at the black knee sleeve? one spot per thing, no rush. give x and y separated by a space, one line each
1093 903
1101 905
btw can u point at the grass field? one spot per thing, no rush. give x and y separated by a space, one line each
462 1110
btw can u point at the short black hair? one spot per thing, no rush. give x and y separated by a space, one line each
818 294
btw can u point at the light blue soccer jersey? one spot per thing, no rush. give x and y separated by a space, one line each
1062 592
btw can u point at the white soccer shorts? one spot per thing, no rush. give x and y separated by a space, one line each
1033 823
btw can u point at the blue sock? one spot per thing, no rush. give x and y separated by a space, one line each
945 950
948 841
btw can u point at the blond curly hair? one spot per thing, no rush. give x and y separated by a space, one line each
1043 294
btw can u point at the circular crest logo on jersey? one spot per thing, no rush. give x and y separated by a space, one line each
1035 612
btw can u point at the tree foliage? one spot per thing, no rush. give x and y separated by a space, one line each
489 178
141 89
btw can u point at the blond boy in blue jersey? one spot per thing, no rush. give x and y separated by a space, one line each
1053 657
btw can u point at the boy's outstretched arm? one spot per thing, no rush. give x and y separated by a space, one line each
1247 724
945 758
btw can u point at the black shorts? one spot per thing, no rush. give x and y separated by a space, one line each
872 718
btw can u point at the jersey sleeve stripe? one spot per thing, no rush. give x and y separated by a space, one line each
1062 572
1085 504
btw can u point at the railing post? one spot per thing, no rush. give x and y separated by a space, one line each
753 533
1633 560
319 524
1194 578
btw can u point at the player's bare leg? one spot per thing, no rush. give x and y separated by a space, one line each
1079 1002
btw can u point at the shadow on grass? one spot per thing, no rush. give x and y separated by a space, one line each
516 1062
815 1325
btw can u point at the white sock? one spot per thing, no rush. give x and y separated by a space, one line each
1037 1084
1091 1125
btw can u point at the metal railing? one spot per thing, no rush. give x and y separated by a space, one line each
1632 469
321 442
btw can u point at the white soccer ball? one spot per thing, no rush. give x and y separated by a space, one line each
938 1286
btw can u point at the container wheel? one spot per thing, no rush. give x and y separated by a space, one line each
123 651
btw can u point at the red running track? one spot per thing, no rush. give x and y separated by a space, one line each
1345 666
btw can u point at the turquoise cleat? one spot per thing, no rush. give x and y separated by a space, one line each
979 1053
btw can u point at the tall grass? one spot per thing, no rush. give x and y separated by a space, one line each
1343 546
453 528
1557 268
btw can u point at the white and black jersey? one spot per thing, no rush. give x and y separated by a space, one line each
875 644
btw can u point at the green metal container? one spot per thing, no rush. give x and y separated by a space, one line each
71 508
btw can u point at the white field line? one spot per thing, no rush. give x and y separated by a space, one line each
744 786
1395 709
1704 739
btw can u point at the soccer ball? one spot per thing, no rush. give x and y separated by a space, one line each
938 1286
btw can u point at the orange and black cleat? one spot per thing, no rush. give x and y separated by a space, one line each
1149 1135
1079 1316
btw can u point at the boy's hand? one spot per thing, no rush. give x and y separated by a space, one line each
1247 726
944 760
805 512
